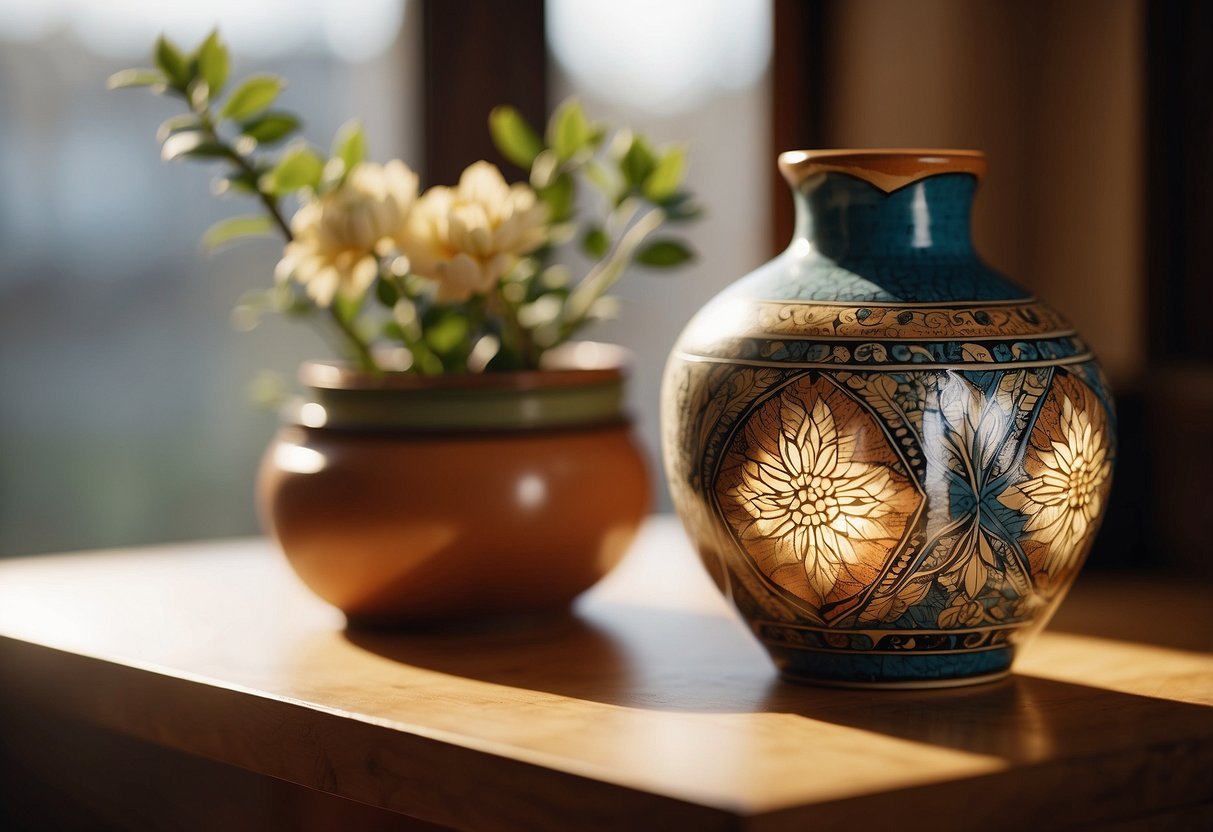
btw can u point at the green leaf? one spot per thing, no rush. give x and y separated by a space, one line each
346 307
568 130
241 182
515 139
595 242
299 168
601 178
663 182
681 207
350 144
387 293
425 362
193 144
544 169
637 163
213 63
448 333
135 78
176 124
664 254
172 63
290 299
251 97
270 127
558 196
234 228
506 360
392 331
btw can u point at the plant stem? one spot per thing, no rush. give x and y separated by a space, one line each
524 344
362 353
268 200
604 275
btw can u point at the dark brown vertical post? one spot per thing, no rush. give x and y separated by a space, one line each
478 54
1179 142
798 104
1179 283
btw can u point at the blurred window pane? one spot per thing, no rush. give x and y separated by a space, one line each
124 413
677 70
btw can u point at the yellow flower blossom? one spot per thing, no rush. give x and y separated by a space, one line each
465 238
338 236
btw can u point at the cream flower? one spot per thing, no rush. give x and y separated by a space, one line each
465 238
812 499
1063 498
337 235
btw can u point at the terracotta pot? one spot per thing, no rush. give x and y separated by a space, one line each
891 458
397 497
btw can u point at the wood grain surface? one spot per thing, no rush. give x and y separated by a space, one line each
648 705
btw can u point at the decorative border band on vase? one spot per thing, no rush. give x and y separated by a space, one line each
903 355
884 641
950 322
887 670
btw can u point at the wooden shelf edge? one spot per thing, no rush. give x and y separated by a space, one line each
446 783
388 768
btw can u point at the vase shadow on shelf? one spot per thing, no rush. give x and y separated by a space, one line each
678 661
1022 718
581 656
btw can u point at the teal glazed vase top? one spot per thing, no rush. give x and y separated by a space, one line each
891 458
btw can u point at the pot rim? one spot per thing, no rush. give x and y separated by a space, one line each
583 385
887 168
574 364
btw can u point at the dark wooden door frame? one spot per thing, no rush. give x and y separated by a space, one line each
1179 181
477 54
1178 41
798 96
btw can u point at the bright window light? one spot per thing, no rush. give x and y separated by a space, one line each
660 57
353 30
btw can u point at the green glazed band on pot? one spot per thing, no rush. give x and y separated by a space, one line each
581 384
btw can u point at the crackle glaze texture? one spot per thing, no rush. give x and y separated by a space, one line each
890 457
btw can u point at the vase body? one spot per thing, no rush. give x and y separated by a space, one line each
891 458
398 498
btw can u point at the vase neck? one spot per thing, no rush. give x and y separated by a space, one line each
847 219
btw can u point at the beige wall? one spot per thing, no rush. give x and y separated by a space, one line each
1053 93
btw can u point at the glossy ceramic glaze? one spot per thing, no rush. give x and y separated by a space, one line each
397 498
892 458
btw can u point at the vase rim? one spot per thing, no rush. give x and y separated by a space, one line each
575 364
885 168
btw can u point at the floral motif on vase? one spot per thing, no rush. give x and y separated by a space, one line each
956 499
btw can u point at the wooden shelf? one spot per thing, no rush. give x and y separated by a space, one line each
650 706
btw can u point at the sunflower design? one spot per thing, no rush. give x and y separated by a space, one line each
816 504
1070 473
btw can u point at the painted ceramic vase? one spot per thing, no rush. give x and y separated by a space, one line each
889 456
399 498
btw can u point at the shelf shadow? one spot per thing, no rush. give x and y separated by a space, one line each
665 660
1158 609
1081 753
640 657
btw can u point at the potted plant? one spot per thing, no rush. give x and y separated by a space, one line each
464 454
